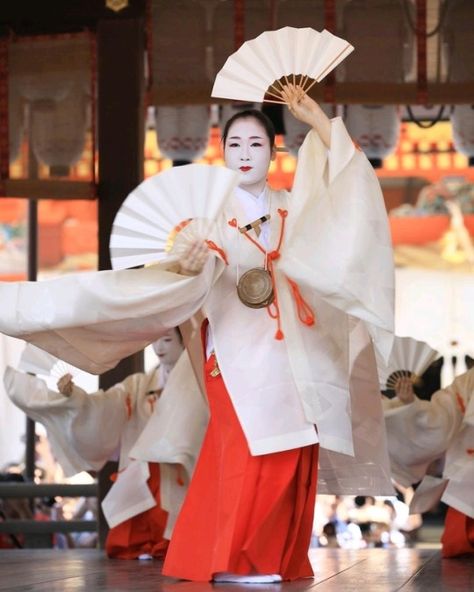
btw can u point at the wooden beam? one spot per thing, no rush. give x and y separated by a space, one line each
376 93
24 17
50 189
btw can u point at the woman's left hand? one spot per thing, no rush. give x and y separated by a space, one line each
404 390
194 259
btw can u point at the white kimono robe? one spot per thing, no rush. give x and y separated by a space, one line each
336 247
422 431
85 430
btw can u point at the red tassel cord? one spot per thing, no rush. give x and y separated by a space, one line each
304 310
212 245
128 405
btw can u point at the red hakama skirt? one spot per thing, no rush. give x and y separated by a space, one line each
243 514
142 533
458 534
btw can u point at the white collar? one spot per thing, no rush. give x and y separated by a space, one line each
243 194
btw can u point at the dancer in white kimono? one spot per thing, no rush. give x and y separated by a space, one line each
303 359
419 432
85 430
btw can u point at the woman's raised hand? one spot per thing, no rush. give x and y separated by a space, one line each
307 110
65 385
404 390
194 259
300 105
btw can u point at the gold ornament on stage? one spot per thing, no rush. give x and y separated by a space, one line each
255 288
116 5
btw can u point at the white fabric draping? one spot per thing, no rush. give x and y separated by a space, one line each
12 420
421 432
83 318
85 429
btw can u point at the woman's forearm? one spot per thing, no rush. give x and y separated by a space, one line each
321 124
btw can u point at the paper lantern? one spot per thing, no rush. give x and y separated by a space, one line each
58 131
375 128
182 132
462 121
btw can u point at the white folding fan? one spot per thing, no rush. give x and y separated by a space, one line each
259 68
37 361
165 212
409 358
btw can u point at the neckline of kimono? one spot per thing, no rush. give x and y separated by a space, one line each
304 311
273 308
261 247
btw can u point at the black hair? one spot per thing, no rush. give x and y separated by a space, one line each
11 477
179 334
263 119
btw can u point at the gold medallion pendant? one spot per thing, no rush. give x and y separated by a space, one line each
255 288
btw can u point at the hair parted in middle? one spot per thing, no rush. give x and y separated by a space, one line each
263 119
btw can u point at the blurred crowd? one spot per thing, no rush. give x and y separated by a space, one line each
358 522
47 470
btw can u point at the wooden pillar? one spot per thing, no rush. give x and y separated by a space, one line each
121 125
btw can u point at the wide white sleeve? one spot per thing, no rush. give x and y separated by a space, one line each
84 430
421 432
94 320
338 238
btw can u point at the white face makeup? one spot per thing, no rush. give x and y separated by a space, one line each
168 348
247 149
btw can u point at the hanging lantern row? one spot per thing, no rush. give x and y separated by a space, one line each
49 82
52 76
183 131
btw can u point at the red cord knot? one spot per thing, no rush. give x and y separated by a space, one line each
114 476
279 335
232 222
283 213
180 476
212 245
460 402
273 255
128 405
151 403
